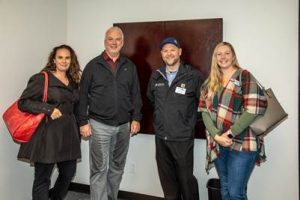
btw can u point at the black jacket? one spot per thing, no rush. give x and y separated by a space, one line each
107 97
175 107
54 140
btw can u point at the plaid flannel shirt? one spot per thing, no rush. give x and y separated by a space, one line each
226 106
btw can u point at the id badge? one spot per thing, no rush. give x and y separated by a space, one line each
236 82
180 90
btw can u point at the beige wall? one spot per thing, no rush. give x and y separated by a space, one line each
28 31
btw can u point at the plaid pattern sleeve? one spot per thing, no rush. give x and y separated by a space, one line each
254 100
212 148
202 100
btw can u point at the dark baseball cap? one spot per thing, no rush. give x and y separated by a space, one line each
169 40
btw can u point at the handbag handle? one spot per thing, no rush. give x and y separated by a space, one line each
45 94
260 85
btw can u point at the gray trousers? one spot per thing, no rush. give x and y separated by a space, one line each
108 151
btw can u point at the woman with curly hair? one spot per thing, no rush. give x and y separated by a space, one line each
56 140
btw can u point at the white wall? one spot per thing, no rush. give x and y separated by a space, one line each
29 29
264 34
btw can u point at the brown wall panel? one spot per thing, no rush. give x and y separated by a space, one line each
196 37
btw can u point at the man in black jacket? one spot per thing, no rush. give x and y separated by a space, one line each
174 91
109 110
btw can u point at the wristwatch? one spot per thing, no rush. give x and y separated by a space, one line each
230 134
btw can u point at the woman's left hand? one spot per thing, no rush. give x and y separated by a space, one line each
223 140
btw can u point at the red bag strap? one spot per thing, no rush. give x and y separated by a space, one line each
45 86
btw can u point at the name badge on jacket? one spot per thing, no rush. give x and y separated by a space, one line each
180 90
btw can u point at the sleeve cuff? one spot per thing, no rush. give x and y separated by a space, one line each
82 123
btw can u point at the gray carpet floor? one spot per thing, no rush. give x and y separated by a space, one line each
79 196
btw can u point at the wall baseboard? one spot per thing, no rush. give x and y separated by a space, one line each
83 188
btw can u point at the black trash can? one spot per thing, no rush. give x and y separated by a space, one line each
214 189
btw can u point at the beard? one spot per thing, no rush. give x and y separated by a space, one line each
171 62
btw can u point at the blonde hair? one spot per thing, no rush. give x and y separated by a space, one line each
214 81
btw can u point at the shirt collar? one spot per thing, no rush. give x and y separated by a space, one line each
107 58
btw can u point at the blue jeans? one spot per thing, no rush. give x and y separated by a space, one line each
234 169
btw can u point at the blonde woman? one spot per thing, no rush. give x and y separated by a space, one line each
230 101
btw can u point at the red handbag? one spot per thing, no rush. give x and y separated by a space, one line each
22 125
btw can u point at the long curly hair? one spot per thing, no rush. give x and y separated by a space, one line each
214 81
74 71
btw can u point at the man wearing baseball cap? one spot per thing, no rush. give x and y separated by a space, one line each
174 91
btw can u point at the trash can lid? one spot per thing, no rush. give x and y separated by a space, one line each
213 183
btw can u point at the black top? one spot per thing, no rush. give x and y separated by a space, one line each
109 97
55 140
175 106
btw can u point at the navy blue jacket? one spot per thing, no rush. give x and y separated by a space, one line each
175 106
